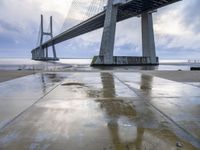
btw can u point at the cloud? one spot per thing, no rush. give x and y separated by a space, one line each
19 23
174 33
191 17
176 29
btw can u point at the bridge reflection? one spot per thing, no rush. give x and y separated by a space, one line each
132 124
89 111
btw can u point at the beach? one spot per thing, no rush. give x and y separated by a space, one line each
75 106
179 71
180 76
6 75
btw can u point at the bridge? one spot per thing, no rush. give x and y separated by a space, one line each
115 11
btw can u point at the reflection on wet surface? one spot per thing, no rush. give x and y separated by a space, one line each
104 111
18 94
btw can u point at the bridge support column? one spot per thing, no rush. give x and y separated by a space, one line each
107 43
41 53
148 43
47 53
51 34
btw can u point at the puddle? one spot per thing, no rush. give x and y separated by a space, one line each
72 84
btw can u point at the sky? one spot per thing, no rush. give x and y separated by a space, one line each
177 30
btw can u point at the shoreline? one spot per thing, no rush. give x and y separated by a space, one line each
179 76
174 75
6 75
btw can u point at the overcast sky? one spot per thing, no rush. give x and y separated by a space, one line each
177 30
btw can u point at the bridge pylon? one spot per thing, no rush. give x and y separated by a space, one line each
107 43
42 53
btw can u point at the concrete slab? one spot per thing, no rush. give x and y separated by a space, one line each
152 86
102 111
19 94
125 61
179 102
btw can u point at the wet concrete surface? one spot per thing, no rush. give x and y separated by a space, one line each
99 111
19 94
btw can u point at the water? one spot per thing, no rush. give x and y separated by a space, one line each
84 65
28 64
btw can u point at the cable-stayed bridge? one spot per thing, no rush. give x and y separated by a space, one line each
98 16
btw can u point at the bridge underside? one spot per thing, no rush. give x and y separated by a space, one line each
130 9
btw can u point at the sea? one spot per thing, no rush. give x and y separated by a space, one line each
81 64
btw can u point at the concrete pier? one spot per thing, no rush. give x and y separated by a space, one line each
123 61
148 43
108 37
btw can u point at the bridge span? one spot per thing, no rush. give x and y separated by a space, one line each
115 11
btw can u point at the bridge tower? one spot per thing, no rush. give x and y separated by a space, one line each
148 43
42 53
107 44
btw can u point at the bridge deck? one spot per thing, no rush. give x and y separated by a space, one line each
130 9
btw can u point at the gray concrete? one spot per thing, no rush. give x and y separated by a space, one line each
19 94
108 37
107 43
148 43
101 111
41 51
122 60
51 34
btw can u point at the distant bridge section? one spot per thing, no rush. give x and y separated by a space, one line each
115 11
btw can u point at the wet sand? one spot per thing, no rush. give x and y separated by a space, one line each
180 76
6 75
